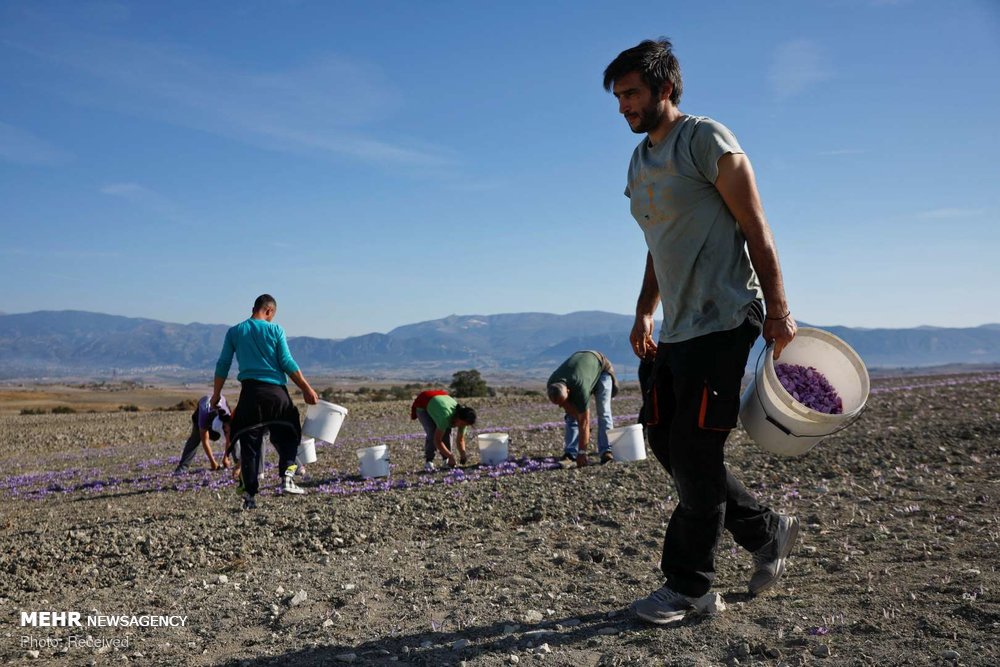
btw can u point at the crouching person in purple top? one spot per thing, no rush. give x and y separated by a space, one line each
207 424
264 405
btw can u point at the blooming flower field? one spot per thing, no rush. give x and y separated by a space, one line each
896 562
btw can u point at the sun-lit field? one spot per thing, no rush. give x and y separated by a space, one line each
497 565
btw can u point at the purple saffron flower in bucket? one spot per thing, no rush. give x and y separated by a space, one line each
809 387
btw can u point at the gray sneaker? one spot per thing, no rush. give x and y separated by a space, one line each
769 560
663 606
249 503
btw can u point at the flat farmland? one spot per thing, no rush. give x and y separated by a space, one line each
522 563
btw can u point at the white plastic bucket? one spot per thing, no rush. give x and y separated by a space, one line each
374 461
627 443
782 425
307 451
493 448
323 421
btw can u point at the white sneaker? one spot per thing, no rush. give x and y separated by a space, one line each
288 485
429 466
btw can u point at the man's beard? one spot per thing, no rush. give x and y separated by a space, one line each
649 118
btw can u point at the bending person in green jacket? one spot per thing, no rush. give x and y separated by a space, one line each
264 405
586 373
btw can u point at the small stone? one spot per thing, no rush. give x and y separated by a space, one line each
223 579
513 659
950 655
327 623
543 649
349 587
537 633
710 603
511 629
742 650
821 651
280 590
533 616
298 598
32 654
460 644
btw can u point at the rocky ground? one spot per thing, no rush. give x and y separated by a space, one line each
524 564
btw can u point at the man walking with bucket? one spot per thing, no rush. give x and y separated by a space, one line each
711 257
264 405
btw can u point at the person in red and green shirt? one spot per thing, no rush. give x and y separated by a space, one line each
438 413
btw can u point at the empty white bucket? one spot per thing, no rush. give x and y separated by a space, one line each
779 423
323 421
374 461
627 443
493 448
307 451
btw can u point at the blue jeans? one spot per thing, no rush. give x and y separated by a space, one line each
429 428
602 397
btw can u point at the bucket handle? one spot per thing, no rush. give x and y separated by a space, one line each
781 427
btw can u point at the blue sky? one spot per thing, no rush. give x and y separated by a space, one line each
373 164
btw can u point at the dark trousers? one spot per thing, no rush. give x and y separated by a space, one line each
690 404
264 408
192 444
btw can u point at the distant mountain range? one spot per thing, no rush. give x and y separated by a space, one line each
60 344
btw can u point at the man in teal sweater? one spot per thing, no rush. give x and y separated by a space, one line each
264 406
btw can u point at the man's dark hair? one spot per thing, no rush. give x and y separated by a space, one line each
466 414
654 61
264 301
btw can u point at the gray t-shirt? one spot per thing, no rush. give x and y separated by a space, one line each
699 253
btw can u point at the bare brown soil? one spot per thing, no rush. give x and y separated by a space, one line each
896 563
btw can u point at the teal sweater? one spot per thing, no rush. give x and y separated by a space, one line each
261 352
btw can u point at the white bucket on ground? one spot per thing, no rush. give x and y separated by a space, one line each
307 451
782 425
323 421
374 461
627 443
493 448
